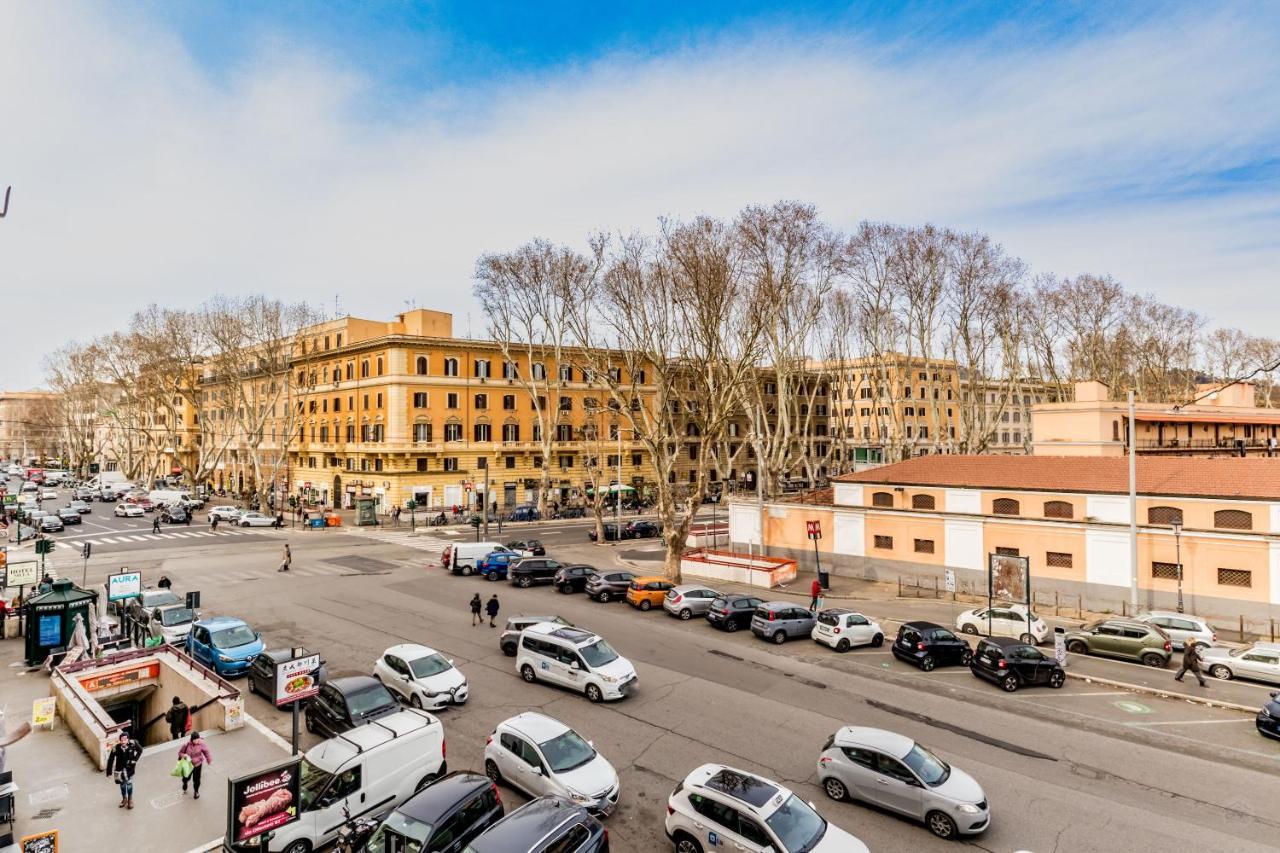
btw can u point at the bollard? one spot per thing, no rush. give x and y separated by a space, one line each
1242 628
1055 602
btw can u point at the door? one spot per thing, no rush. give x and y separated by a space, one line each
198 645
526 769
344 791
859 628
948 647
859 773
394 672
1033 667
1263 665
573 672
720 826
1132 642
1108 639
896 787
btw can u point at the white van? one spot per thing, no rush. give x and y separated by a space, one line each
368 770
576 658
464 554
166 497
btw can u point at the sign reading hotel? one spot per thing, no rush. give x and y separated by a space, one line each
22 574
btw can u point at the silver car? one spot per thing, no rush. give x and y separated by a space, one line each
689 600
894 772
779 621
1261 661
1181 626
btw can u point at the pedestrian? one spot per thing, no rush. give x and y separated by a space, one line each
492 609
288 558
305 517
476 618
1191 662
213 522
176 717
155 524
4 616
164 582
279 521
123 760
186 518
197 752
815 592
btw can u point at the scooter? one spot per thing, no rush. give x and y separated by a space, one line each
354 833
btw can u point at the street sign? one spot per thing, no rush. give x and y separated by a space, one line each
193 599
814 529
297 679
950 579
124 585
23 574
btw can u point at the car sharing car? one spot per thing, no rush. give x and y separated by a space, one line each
224 644
843 629
421 676
346 703
124 510
927 645
1261 662
262 673
542 756
1012 664
574 658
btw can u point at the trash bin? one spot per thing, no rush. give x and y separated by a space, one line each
824 579
333 521
316 523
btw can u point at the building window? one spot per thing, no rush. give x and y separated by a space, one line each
1058 509
1007 552
453 432
923 502
420 399
538 370
566 404
1004 506
511 432
1235 577
422 464
885 542
509 370
422 432
451 400
482 401
882 499
351 432
481 463
1165 515
481 366
509 402
1233 519
364 368
379 365
1057 560
566 461
451 463
636 460
377 464
420 366
924 546
451 369
482 432
379 401
350 370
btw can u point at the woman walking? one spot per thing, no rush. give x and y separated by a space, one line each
288 558
492 609
476 618
123 759
197 752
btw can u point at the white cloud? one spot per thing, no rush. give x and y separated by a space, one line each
140 177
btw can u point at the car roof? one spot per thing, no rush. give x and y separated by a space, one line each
537 727
1270 647
1003 642
1124 620
351 743
215 622
1170 614
648 578
734 596
527 825
439 798
777 605
352 683
684 587
567 633
410 651
739 785
836 611
923 626
890 743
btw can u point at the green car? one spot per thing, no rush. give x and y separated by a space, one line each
1122 638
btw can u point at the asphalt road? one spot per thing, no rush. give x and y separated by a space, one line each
1078 769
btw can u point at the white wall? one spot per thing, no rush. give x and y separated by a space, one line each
968 501
851 534
1274 550
848 494
744 524
963 547
1275 519
1107 557
1108 508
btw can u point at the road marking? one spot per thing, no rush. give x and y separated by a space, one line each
108 540
1064 693
1132 707
1189 722
202 533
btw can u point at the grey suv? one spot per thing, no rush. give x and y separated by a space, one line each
1122 638
780 620
610 585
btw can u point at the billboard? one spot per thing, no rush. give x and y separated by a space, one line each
1009 579
124 585
262 801
297 679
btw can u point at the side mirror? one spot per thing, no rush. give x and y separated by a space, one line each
405 676
575 665
536 771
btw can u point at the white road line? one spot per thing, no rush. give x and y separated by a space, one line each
202 533
107 540
1191 722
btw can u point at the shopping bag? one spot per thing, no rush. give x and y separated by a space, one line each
183 768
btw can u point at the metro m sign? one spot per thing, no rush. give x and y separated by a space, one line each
814 529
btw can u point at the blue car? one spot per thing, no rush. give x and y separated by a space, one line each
224 644
493 566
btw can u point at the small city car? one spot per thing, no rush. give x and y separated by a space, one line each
494 566
1012 664
224 644
345 703
779 621
1260 662
609 585
894 772
641 530
574 578
441 818
1006 620
1122 638
574 658
123 510
171 623
645 592
542 756
544 825
528 547
689 600
421 676
927 645
509 639
82 507
843 629
1269 717
262 673
225 513
732 612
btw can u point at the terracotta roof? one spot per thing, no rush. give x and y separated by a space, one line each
1215 477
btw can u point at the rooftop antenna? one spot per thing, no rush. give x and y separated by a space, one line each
337 306
5 209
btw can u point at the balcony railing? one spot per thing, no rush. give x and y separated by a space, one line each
1202 444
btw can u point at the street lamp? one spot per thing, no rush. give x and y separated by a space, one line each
1177 544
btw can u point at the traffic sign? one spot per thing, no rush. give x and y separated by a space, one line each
814 528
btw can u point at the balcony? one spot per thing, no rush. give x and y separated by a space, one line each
1203 446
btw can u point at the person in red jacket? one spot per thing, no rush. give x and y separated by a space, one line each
815 590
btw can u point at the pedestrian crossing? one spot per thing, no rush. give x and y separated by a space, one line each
117 538
409 539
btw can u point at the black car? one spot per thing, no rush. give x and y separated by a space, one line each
610 533
732 612
175 515
928 645
510 635
574 578
442 818
69 515
572 512
530 570
50 524
605 588
544 824
1269 717
1012 663
530 546
641 530
262 673
345 703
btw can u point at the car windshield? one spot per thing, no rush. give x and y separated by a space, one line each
314 781
929 767
229 638
176 616
369 699
797 826
428 666
567 751
399 834
598 653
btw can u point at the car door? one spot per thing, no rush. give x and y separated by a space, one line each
260 676
719 826
390 671
198 645
573 669
858 627
896 786
528 770
329 709
1108 639
1030 665
858 772
947 647
1262 664
1132 640
344 792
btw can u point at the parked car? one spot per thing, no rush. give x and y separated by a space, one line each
68 515
421 676
1013 663
608 586
843 629
494 566
574 578
224 644
571 512
171 623
1181 627
528 571
689 600
779 621
1268 719
225 513
262 673
80 506
524 512
345 703
443 817
1005 620
509 639
175 514
641 530
140 607
542 756
541 826
143 501
745 812
927 645
894 772
84 493
1260 662
575 658
528 547
128 511
732 612
1122 638
107 494
51 524
610 533
645 592
255 519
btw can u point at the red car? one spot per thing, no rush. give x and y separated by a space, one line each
143 501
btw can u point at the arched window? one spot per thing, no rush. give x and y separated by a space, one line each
1166 515
922 502
1005 506
1058 509
1233 519
364 368
882 499
421 365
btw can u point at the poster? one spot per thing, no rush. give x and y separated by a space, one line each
950 579
41 842
124 585
297 679
1008 579
50 632
42 711
263 801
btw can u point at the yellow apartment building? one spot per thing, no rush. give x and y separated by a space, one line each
897 405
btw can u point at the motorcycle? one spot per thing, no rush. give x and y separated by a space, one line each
354 833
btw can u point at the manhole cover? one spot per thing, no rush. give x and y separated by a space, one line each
361 564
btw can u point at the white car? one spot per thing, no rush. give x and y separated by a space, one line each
225 513
1181 627
843 629
15 471
421 676
574 658
1006 620
542 756
254 519
129 511
765 816
48 494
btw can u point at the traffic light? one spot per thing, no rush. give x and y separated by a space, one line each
93 467
86 550
44 546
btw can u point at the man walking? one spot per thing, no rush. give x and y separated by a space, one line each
476 619
815 592
123 760
176 717
155 524
197 752
213 522
288 558
492 609
1191 662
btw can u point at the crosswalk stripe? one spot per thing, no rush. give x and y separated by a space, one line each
202 533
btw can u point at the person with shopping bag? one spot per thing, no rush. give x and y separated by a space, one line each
192 758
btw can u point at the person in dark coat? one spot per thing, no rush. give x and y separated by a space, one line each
492 609
176 718
1191 662
123 759
476 618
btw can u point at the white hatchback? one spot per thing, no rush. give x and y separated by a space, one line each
1005 620
129 511
254 519
542 756
844 629
421 676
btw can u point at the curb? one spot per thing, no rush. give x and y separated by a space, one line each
1164 694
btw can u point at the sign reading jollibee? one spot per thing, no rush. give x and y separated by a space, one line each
263 801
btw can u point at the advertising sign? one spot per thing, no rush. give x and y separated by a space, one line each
22 574
124 585
150 669
263 801
41 842
1008 578
814 528
297 679
42 711
950 579
49 632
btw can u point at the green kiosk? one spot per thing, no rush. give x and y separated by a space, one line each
50 618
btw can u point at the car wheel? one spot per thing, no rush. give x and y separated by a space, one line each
310 726
927 663
491 770
1078 647
645 605
843 645
1009 683
877 641
779 637
731 626
466 571
940 824
1057 679
509 649
835 789
415 701
525 581
244 524
527 673
302 845
1028 639
566 588
686 614
1154 660
603 598
1220 671
593 693
966 658
686 843
970 628
424 782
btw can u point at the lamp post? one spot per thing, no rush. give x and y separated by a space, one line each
1177 544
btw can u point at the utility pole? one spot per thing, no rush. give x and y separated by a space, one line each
1133 510
484 503
759 482
617 492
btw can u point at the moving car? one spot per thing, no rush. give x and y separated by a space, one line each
843 629
645 592
224 644
175 514
262 673
1181 627
123 510
81 506
688 600
48 494
732 612
494 566
171 623
527 547
84 493
610 533
225 513
1268 719
528 571
509 639
1260 662
894 772
641 530
575 658
462 558
608 586
927 645
1006 620
69 515
542 756
346 703
1122 638
1013 663
51 524
744 812
143 501
255 519
779 621
421 676
574 578
440 818
544 825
